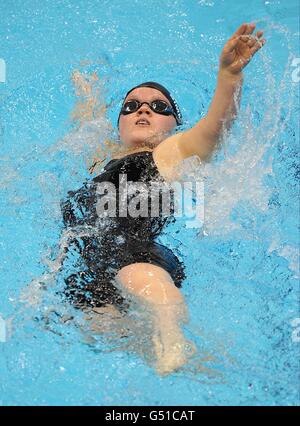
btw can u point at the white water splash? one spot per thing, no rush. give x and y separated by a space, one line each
85 139
239 177
33 293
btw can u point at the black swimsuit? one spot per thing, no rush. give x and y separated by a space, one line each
115 241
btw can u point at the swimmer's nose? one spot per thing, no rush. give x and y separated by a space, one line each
144 108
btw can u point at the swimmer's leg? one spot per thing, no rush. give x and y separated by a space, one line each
153 286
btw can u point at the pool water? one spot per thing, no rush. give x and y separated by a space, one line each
242 285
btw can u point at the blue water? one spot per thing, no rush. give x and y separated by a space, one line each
242 288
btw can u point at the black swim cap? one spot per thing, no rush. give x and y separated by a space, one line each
164 91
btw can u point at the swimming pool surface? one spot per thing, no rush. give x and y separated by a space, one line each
242 287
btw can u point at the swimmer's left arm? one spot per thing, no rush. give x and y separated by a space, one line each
203 138
88 106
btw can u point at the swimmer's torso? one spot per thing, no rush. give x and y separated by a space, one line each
106 244
143 221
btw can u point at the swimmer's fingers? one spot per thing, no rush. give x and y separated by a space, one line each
250 39
258 45
243 33
241 30
244 29
259 34
253 43
231 44
250 28
258 40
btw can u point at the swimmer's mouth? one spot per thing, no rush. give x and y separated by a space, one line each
143 122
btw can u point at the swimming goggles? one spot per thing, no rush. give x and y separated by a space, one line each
158 106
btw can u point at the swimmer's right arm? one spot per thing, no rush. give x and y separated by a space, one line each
204 137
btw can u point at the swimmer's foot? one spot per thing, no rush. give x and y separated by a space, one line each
171 353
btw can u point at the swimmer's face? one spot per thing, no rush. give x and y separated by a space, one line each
160 127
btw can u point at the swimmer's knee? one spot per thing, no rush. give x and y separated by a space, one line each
150 282
143 271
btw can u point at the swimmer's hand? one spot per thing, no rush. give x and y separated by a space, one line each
83 83
240 49
88 106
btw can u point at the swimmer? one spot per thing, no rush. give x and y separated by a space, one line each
125 261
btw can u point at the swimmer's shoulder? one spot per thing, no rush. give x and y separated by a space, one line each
168 155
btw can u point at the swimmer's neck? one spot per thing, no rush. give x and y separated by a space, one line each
131 151
147 145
